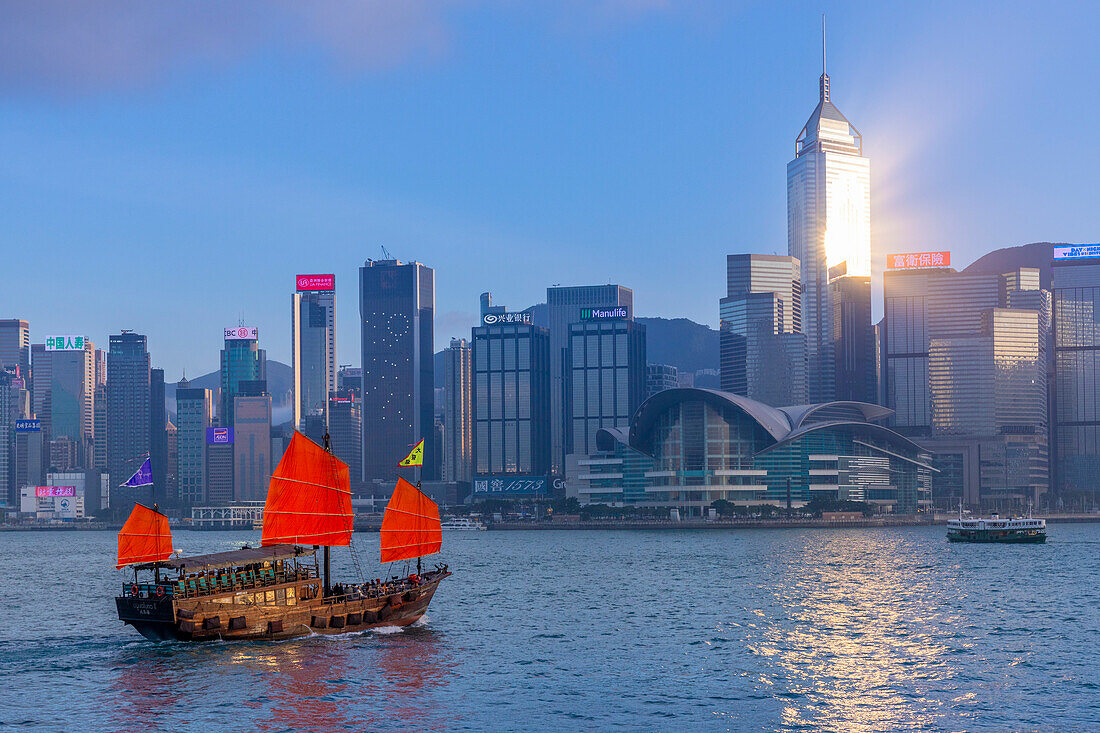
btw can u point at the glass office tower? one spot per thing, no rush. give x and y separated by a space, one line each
194 416
1076 322
242 360
127 416
313 346
458 411
828 226
607 377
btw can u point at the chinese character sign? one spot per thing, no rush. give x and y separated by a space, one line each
315 282
237 333
918 259
47 492
510 485
64 343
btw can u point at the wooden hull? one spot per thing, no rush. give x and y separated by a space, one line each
231 617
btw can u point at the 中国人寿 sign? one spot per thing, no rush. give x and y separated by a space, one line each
64 343
918 259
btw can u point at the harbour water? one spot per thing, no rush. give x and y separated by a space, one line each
847 629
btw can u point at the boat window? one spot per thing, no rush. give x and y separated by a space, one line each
269 597
290 599
280 597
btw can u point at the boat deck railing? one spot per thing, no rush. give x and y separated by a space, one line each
214 583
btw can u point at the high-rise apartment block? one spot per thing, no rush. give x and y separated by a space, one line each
313 346
1076 323
127 415
457 412
565 305
762 348
828 229
397 312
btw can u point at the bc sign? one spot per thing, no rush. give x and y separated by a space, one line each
1075 251
28 426
510 485
237 333
315 282
219 436
64 343
918 259
615 313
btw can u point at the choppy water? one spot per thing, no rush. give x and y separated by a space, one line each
853 630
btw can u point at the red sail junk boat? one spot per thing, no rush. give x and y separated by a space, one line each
277 591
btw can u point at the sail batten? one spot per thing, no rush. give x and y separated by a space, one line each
308 498
145 537
410 526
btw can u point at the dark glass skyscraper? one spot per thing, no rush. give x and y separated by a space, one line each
607 375
397 312
313 347
127 416
1076 305
853 339
194 415
15 345
565 305
511 397
158 437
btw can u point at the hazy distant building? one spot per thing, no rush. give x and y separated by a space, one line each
252 447
1076 320
457 412
158 437
510 395
828 227
15 345
219 472
313 346
607 374
242 360
345 433
99 408
565 305
127 415
762 352
14 406
397 311
194 418
660 377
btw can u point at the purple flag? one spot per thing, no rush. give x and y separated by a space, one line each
142 477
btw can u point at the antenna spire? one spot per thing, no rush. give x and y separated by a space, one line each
824 82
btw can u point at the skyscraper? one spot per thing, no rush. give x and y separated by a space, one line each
158 437
510 395
607 374
252 446
1076 321
70 400
313 346
457 412
565 305
828 226
397 311
242 361
15 345
194 415
127 415
762 349
853 339
345 431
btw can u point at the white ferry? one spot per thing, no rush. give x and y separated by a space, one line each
996 529
463 523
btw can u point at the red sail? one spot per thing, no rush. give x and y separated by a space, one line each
410 526
144 538
309 498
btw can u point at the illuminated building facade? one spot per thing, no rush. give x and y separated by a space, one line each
828 227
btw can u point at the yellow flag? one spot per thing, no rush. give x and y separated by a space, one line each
416 458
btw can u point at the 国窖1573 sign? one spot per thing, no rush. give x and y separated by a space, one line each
918 259
612 313
1075 251
236 333
64 343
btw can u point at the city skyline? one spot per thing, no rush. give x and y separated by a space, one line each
156 217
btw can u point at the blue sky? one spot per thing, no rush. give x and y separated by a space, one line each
169 167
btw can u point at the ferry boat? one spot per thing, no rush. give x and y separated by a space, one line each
996 529
463 523
278 590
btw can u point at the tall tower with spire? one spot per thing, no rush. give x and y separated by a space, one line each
829 231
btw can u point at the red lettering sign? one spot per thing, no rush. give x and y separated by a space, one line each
918 259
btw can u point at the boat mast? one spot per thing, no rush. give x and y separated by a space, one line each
327 560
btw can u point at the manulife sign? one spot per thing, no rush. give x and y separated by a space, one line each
613 313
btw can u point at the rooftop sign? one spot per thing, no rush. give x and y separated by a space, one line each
614 313
1076 251
316 282
52 491
219 436
918 259
64 343
237 333
493 319
33 425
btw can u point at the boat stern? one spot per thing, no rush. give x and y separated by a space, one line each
154 618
